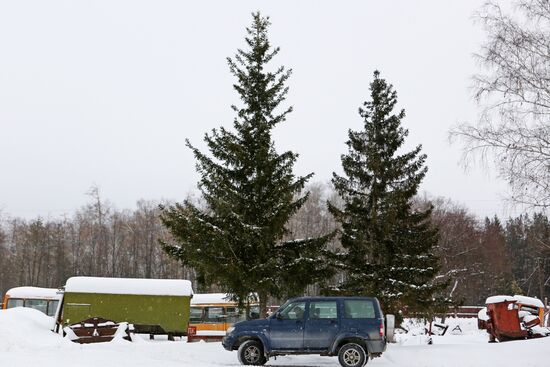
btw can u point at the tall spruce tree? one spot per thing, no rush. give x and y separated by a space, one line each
250 192
389 246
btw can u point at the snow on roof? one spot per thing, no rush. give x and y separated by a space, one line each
529 301
204 298
524 300
210 298
498 299
33 292
156 287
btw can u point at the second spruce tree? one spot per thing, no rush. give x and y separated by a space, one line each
389 245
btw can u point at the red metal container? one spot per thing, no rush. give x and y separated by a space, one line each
504 321
514 317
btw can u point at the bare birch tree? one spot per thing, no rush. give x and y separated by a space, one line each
513 91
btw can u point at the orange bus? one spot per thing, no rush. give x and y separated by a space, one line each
41 299
215 312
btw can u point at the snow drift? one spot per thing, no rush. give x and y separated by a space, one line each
26 340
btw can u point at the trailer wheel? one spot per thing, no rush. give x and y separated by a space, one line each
251 352
352 355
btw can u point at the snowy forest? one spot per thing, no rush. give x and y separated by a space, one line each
481 257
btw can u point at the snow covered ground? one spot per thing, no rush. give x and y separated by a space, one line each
25 340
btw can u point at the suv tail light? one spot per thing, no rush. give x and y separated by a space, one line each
382 328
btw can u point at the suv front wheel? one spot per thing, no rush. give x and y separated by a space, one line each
251 352
352 355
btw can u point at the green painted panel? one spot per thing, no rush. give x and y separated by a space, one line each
170 312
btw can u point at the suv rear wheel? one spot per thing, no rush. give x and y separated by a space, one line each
352 355
251 352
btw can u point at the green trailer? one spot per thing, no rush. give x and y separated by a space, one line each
152 306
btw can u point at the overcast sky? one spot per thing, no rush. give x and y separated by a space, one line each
105 92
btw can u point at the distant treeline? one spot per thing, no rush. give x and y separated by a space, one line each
480 257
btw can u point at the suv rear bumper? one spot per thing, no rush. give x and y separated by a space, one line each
376 346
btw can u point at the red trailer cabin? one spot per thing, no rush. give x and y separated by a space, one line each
514 317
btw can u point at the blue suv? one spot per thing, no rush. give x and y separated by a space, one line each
350 327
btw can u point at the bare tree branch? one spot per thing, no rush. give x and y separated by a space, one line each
513 92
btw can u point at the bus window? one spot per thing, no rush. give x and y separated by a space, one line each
42 299
14 302
233 314
214 314
52 308
254 312
37 304
195 314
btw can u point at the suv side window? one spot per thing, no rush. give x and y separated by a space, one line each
359 309
294 311
323 310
